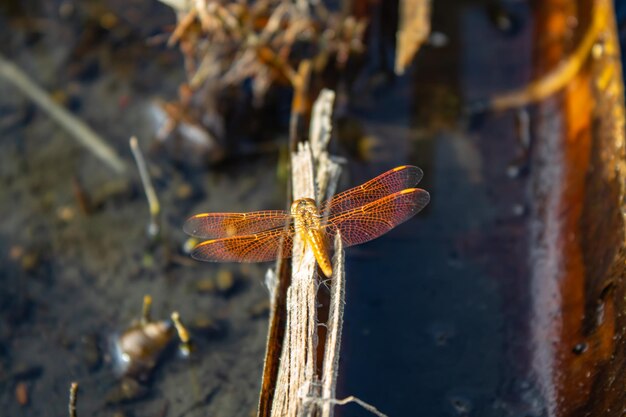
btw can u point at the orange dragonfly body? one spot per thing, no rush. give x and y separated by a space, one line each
361 214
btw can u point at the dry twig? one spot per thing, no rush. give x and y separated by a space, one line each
298 389
76 127
413 31
334 326
347 400
298 358
560 76
153 201
72 401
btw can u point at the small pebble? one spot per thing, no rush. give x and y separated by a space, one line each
21 393
208 326
147 261
30 261
184 191
16 252
66 213
108 20
127 390
60 97
225 281
205 285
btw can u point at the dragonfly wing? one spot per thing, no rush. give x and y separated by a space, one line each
390 182
376 218
221 225
259 247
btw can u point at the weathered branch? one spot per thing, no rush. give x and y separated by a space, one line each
334 326
297 381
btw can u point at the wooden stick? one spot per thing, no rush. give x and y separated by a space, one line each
559 77
153 201
72 401
297 380
335 326
298 357
76 127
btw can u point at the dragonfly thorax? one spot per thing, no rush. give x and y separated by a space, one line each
307 222
305 214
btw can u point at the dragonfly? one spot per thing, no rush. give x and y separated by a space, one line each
360 214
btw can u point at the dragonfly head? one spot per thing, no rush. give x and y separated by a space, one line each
305 212
303 206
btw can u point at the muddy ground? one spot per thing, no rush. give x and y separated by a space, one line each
71 280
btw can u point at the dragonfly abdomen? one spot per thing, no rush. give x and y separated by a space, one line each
308 225
317 240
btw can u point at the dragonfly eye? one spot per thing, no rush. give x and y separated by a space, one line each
302 206
296 207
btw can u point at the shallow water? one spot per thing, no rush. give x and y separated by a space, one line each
433 308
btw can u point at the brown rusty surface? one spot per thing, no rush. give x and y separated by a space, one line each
576 226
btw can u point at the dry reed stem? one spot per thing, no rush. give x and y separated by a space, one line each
319 132
146 310
298 362
560 76
76 127
298 391
153 201
72 401
413 31
334 325
297 380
